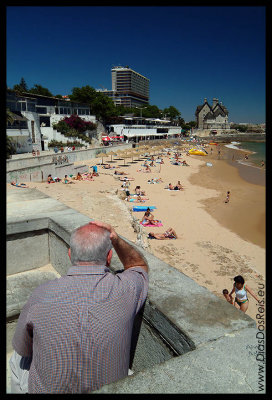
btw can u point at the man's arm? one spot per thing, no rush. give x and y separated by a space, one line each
128 255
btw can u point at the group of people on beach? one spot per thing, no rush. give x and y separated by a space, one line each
86 176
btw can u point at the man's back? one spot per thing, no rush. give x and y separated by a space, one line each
81 327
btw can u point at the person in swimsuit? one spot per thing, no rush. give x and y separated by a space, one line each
22 185
179 186
169 234
228 197
148 218
67 180
50 179
79 177
139 191
241 289
227 296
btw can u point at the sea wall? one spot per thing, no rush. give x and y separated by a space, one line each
36 169
230 137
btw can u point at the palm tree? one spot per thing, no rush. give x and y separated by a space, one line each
9 116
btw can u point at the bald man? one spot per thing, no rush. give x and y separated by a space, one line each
74 333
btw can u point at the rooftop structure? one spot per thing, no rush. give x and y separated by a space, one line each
129 88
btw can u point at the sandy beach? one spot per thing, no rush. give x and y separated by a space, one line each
216 240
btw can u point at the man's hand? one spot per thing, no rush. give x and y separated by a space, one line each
128 254
108 227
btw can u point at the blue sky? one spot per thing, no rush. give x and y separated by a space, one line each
188 53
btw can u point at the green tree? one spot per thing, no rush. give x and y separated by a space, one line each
86 94
58 96
171 112
39 89
10 147
21 87
100 105
192 124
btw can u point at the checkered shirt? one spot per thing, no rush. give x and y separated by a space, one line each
78 328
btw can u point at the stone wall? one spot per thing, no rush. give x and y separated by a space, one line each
36 169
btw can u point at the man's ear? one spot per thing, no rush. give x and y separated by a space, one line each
109 257
69 253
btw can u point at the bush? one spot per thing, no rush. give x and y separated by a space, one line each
10 148
55 143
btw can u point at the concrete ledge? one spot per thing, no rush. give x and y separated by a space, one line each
21 285
227 365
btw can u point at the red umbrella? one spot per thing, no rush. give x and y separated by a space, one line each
106 138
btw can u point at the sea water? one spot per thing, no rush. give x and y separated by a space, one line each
258 150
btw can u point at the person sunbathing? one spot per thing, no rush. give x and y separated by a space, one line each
107 166
169 234
79 177
158 180
50 179
185 163
21 185
119 172
126 179
179 186
148 169
138 199
87 176
170 186
67 180
139 191
148 218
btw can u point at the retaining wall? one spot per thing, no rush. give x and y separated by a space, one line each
36 169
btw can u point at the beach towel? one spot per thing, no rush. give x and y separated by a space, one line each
143 208
158 223
132 200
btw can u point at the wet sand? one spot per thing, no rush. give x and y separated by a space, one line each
245 212
216 241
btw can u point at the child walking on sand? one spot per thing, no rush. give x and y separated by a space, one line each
228 197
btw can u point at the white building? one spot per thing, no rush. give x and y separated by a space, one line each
35 116
137 128
129 88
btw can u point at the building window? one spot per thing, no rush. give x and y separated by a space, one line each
41 110
23 106
45 121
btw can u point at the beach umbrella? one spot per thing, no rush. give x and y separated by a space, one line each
119 153
132 154
137 153
111 153
102 154
124 156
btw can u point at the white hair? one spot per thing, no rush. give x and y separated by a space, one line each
90 245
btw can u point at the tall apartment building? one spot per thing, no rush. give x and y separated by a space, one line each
129 88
